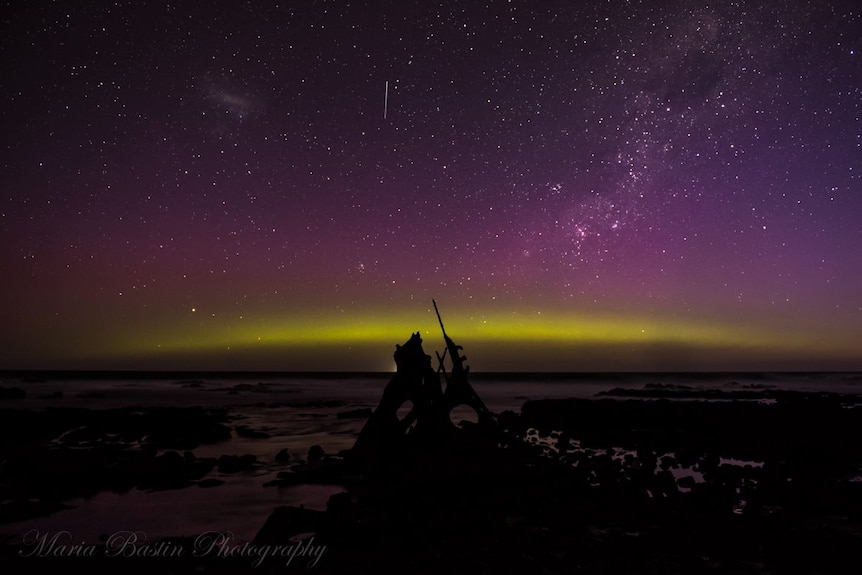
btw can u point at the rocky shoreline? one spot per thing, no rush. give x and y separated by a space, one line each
606 485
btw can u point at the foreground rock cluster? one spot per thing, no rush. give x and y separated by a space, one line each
612 486
61 453
755 482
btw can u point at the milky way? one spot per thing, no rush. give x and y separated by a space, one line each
591 185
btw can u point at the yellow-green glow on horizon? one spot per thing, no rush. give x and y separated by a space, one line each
537 334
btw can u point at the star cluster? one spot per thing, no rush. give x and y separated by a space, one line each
591 185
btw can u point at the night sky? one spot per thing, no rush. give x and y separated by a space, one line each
597 185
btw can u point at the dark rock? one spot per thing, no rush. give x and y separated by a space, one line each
511 422
242 387
193 384
315 453
285 522
23 509
237 463
283 456
172 471
665 483
12 393
686 482
61 453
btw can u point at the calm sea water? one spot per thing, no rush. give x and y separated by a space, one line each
298 411
499 391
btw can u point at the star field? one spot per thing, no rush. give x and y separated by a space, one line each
594 185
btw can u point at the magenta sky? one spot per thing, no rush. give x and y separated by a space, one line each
590 185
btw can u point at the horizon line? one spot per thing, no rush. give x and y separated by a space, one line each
236 374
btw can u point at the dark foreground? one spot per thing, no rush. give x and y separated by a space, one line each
660 485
